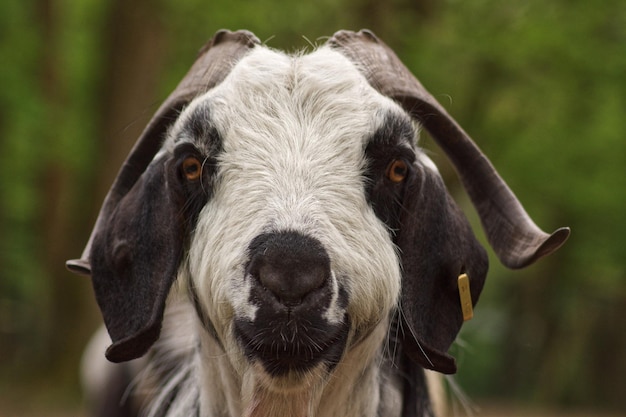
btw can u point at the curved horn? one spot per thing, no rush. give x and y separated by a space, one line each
515 238
214 62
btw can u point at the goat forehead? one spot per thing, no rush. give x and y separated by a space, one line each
296 122
293 132
305 107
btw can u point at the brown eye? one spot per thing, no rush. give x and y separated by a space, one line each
192 168
397 170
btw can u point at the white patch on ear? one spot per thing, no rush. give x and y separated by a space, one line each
420 153
426 161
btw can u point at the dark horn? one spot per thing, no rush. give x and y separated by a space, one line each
515 238
214 62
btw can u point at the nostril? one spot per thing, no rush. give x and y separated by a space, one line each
289 264
291 283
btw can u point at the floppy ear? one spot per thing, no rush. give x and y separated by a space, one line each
135 247
436 244
134 260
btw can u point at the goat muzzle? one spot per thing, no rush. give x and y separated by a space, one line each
290 279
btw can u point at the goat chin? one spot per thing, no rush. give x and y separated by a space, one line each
293 394
316 392
261 401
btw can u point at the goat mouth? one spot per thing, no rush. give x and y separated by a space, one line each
294 345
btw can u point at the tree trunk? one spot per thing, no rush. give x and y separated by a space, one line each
134 48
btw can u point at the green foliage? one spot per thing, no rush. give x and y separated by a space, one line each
540 85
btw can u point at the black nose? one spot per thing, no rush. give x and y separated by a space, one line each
289 264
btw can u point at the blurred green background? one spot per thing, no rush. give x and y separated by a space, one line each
540 85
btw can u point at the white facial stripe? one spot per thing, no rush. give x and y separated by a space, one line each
293 133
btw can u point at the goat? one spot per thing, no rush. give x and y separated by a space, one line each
279 245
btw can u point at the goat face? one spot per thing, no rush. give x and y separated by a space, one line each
291 197
288 254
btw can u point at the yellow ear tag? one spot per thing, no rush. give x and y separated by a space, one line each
466 297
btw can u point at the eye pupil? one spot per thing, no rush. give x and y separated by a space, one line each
397 170
192 168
